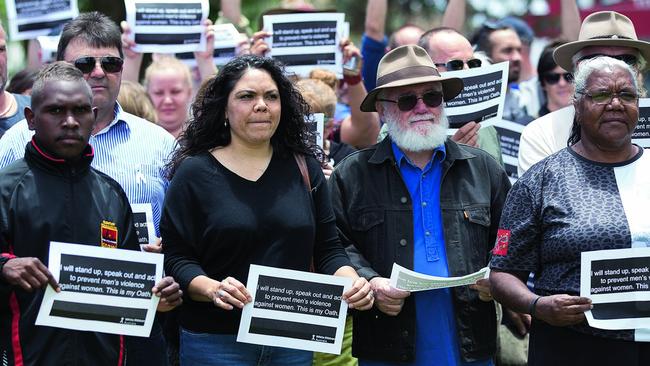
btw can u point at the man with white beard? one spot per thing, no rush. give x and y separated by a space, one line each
422 201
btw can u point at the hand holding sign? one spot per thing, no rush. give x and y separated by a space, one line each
259 47
360 296
467 134
562 310
169 292
209 41
231 292
388 299
29 274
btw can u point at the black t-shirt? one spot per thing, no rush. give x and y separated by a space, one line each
217 223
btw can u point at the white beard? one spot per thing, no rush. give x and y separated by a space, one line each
414 139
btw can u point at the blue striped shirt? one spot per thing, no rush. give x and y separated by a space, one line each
131 150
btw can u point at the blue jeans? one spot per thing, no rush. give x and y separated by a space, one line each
207 349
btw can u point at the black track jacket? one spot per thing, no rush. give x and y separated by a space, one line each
45 199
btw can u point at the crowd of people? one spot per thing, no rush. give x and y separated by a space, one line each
234 178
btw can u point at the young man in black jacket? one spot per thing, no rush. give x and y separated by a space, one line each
53 194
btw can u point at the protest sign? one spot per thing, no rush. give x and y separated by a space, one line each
29 19
482 98
143 222
49 45
102 289
316 122
306 41
509 137
641 134
618 284
167 26
226 41
294 309
407 280
482 101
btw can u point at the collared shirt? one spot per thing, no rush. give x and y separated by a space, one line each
436 337
131 150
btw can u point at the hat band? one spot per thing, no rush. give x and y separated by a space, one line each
410 72
613 36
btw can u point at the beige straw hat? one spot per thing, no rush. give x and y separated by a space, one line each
604 28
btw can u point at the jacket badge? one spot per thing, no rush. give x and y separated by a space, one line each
502 242
108 234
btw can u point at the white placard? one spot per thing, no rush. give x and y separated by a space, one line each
49 46
29 19
482 98
316 123
143 222
306 41
167 26
294 309
103 290
618 284
407 280
641 134
226 41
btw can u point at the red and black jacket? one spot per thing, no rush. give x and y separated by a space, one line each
45 199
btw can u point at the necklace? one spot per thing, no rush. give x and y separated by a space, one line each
11 105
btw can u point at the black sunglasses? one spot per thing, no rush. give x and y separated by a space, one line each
407 102
627 58
455 65
553 78
110 64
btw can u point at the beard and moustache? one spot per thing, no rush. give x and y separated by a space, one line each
424 137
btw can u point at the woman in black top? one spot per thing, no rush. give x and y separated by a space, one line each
236 198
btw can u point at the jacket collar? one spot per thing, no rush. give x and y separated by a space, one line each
43 160
384 152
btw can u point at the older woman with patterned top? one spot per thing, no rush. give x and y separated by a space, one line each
588 196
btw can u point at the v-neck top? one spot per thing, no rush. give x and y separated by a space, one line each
217 223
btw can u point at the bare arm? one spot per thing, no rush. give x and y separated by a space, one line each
454 16
559 310
204 60
362 128
375 25
570 20
132 59
231 9
510 289
33 55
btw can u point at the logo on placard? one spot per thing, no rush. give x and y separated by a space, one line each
501 245
109 234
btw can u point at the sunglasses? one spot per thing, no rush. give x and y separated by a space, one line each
407 102
110 64
455 65
628 59
605 97
553 78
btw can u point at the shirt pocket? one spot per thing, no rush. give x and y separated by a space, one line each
368 230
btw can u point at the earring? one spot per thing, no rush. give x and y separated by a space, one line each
225 123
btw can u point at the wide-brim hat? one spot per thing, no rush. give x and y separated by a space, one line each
409 65
603 28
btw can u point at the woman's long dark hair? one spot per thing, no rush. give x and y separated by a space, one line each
207 130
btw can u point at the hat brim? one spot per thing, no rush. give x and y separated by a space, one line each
563 54
451 87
